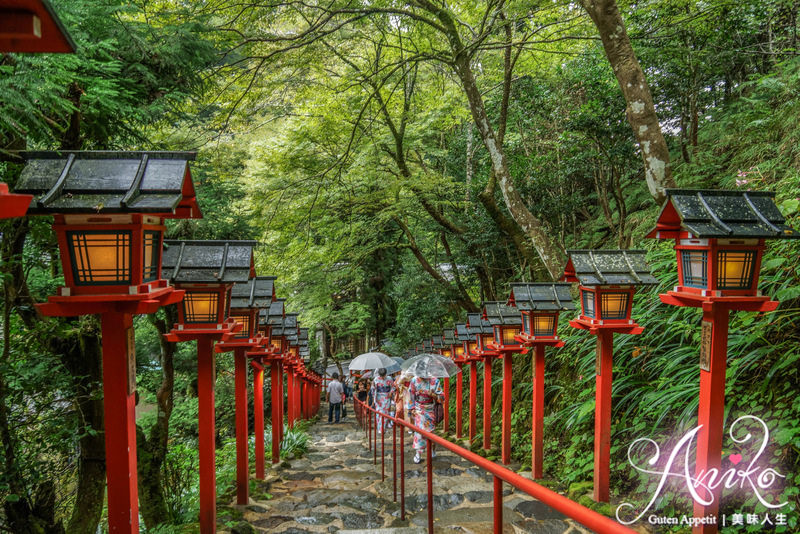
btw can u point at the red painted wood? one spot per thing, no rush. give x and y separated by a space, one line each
537 431
446 405
602 416
505 449
119 410
290 397
281 402
258 419
711 411
240 400
277 416
206 435
473 400
13 205
497 505
487 402
459 402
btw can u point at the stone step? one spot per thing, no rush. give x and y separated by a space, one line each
397 530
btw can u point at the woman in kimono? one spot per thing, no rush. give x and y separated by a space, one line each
425 393
402 400
383 396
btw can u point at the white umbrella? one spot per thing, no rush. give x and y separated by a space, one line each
430 366
370 361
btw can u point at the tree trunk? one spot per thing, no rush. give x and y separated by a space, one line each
640 109
152 448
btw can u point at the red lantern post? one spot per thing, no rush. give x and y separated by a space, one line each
271 353
461 339
539 305
608 280
719 240
13 205
483 338
109 231
207 270
247 299
506 327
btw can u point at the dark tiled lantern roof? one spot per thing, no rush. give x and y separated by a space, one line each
476 324
541 296
497 313
721 214
290 321
304 336
438 342
209 262
608 267
110 182
50 37
462 334
274 315
449 336
427 346
258 292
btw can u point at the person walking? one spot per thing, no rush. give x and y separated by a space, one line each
383 395
425 393
361 395
335 397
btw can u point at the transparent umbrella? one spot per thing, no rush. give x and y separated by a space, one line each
430 366
370 361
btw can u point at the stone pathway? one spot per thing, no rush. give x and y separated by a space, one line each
336 487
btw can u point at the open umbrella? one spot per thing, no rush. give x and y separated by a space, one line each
430 366
370 361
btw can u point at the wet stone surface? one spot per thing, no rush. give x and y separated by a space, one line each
336 486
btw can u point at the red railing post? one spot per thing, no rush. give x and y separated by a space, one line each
394 462
383 453
505 448
369 431
487 402
498 505
402 475
429 469
446 405
374 416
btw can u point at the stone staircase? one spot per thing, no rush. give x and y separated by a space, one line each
337 488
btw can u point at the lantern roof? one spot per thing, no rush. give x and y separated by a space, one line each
427 346
449 336
476 324
706 213
438 342
304 353
290 320
541 296
102 182
497 313
608 267
304 336
258 292
32 26
462 333
212 262
274 314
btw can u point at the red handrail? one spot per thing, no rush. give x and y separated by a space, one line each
583 515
